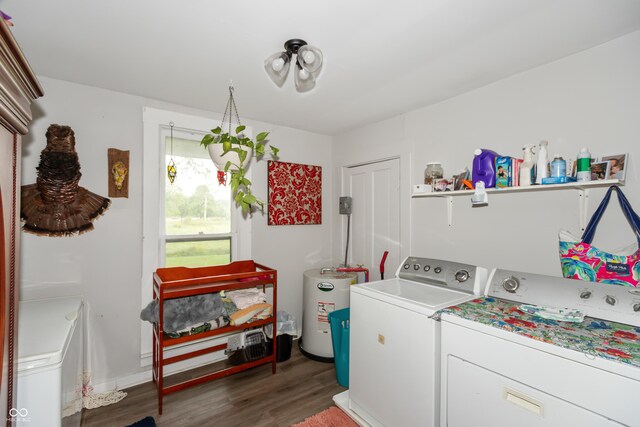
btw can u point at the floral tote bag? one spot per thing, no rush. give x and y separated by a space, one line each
580 260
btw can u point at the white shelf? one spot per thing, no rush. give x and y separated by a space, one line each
582 187
547 187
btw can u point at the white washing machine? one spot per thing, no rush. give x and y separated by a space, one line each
395 341
504 366
50 362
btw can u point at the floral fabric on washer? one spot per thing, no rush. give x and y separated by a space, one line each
601 338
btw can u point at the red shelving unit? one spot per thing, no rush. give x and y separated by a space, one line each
178 282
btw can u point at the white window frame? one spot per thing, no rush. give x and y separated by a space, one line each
196 135
153 181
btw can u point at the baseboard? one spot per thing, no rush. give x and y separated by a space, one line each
126 381
144 376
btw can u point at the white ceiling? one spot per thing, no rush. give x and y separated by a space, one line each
382 58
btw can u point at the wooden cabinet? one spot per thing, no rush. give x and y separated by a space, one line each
178 282
18 88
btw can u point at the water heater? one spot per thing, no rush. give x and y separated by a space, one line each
324 290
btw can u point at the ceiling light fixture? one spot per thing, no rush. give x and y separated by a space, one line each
308 64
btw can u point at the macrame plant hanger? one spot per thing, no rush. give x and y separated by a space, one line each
171 167
229 112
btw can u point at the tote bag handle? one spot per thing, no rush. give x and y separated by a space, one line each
632 217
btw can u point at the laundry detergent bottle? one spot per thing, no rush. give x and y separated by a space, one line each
526 167
484 167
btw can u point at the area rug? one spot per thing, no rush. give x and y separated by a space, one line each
332 417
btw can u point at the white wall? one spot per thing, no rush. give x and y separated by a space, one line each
383 140
588 99
105 264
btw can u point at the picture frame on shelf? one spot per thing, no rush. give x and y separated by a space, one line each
600 170
443 184
618 165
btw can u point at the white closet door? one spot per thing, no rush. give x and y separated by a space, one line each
375 219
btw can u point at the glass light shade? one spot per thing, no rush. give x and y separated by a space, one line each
305 81
277 67
310 58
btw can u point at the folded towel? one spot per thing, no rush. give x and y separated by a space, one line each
258 311
561 314
244 298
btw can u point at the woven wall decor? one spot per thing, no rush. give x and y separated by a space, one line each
56 205
295 194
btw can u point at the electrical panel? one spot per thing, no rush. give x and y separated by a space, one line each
345 205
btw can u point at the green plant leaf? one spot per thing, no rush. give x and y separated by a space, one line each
226 145
207 139
260 149
261 136
234 182
242 154
249 199
216 130
274 151
227 166
240 128
239 197
244 181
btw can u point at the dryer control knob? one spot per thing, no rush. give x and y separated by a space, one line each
427 268
462 276
406 266
437 270
636 307
510 284
610 300
585 294
416 267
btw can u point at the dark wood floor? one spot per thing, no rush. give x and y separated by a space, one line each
299 389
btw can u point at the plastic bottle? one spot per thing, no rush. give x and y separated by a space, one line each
583 166
558 166
542 165
484 167
526 167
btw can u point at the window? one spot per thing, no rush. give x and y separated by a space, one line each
197 217
162 245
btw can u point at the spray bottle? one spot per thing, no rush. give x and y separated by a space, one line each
526 167
542 165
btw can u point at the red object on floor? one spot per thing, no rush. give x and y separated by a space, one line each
332 417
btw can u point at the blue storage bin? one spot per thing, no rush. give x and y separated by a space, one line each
339 321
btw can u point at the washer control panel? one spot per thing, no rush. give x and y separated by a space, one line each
599 300
448 274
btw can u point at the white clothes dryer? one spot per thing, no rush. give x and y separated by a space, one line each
505 365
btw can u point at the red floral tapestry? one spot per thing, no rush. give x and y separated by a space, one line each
295 194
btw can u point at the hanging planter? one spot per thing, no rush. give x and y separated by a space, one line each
220 157
232 151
